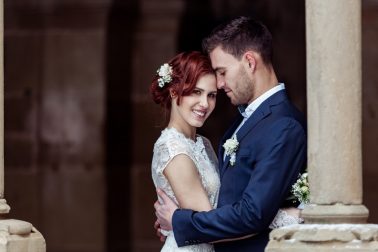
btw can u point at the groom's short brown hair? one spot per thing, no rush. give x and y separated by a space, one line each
239 36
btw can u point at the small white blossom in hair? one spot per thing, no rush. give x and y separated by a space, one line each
165 73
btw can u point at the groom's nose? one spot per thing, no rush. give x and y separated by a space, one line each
220 83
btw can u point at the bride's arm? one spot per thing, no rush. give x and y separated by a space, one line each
186 184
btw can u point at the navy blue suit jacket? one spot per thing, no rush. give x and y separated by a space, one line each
272 151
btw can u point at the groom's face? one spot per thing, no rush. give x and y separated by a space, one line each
232 76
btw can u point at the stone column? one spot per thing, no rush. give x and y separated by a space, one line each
334 111
15 235
333 34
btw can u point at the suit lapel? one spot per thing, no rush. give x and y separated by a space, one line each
261 112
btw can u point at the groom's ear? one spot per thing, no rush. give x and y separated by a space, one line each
250 58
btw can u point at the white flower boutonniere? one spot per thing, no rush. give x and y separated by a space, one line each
230 147
301 189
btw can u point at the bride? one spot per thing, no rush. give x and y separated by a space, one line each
184 163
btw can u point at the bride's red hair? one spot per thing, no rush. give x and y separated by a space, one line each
187 68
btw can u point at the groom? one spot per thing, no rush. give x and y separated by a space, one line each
259 167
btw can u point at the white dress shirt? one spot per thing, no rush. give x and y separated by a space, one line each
254 105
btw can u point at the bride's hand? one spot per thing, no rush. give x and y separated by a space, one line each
164 210
158 231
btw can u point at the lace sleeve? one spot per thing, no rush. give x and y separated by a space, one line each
165 152
283 219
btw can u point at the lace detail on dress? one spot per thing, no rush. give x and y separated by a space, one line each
284 219
170 144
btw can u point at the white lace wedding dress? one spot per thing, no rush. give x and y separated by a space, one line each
172 143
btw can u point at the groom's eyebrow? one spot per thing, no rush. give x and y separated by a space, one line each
218 69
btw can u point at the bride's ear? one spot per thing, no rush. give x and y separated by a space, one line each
172 93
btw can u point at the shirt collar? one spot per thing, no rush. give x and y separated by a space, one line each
247 111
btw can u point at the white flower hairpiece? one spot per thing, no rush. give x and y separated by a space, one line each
165 74
230 147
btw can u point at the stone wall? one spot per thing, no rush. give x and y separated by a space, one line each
79 122
54 119
370 106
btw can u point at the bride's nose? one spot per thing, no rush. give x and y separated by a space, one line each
204 101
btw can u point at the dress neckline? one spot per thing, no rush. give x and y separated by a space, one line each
197 137
197 146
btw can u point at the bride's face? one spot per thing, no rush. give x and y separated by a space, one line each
195 108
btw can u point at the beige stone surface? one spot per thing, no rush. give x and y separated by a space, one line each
16 227
33 242
335 213
20 236
334 100
317 237
334 129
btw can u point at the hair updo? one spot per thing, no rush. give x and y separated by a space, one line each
187 68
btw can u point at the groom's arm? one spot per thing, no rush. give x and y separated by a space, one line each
273 174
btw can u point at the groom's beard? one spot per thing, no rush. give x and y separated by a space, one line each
243 92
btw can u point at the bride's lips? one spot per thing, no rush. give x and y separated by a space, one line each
201 114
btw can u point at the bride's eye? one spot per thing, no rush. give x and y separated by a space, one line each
196 92
213 95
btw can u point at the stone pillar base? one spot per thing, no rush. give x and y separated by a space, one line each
20 236
324 238
334 214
